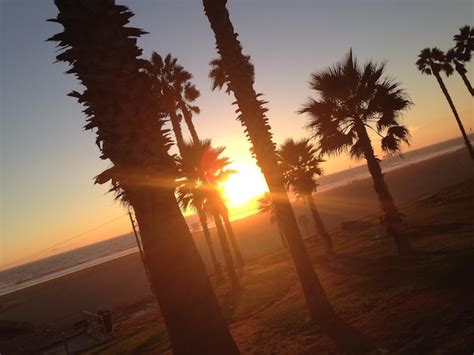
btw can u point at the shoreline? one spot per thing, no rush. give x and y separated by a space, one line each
321 196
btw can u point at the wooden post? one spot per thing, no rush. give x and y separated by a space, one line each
142 254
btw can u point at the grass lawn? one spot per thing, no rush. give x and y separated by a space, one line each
422 303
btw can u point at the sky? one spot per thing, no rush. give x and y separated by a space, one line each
48 202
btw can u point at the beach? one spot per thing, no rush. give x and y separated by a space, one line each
119 283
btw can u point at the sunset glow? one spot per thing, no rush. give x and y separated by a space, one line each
243 186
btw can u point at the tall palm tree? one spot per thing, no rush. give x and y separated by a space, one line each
266 205
432 62
462 53
179 91
239 79
121 107
300 167
204 169
350 100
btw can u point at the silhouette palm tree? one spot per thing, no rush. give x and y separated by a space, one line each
239 79
351 99
179 92
191 196
462 53
432 62
119 102
266 205
204 169
300 167
216 172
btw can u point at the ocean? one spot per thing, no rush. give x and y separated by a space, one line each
55 266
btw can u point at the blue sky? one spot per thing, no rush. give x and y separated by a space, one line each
48 161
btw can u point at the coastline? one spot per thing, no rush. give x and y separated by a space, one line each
121 281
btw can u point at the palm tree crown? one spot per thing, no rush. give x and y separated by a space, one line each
203 169
300 165
265 205
350 97
178 90
464 43
433 60
461 54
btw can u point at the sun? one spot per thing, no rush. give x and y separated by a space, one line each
243 186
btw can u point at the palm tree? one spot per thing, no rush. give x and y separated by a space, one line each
179 91
351 99
121 107
433 61
300 166
239 79
216 171
181 94
266 205
191 197
224 212
204 169
462 53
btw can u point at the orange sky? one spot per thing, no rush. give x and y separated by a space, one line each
48 162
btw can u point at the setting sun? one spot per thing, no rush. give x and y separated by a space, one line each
246 184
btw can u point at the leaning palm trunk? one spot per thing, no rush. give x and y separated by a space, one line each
189 122
230 233
282 235
320 228
462 73
229 262
121 108
178 133
178 276
467 142
207 236
252 117
392 219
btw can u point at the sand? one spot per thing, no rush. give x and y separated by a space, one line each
122 282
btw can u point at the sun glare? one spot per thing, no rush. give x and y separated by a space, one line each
243 186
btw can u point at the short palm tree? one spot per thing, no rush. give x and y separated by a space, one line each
191 196
432 62
239 79
350 100
121 107
215 168
461 54
203 170
266 205
300 165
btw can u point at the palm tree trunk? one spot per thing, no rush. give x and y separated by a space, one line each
282 235
230 233
392 216
462 72
467 142
189 122
207 236
229 263
184 292
252 117
320 225
178 133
